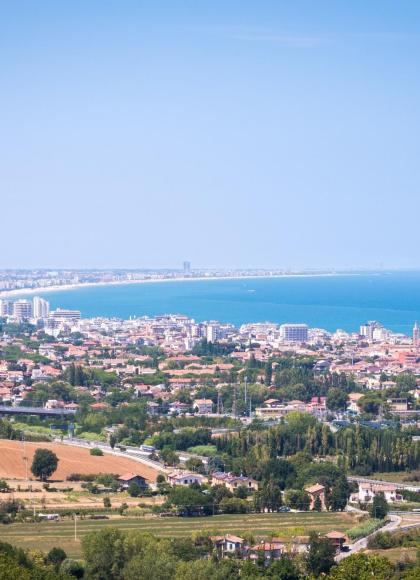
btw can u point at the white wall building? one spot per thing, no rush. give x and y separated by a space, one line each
294 333
41 308
22 309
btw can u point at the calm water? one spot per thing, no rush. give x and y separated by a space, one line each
327 302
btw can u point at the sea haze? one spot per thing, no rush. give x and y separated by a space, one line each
328 302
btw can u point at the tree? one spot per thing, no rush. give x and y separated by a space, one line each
44 464
336 399
283 569
56 556
340 493
107 502
104 555
195 464
363 567
112 441
379 508
154 564
320 558
72 568
4 486
317 504
134 490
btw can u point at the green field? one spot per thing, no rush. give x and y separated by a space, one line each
45 535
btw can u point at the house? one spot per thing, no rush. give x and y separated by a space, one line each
314 492
272 550
367 492
232 482
177 408
203 406
353 402
185 478
337 539
228 545
128 478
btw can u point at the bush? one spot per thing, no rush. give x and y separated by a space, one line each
72 568
364 529
134 490
96 451
4 486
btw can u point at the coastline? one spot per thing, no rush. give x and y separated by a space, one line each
65 287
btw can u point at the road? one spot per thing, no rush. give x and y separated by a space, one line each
391 526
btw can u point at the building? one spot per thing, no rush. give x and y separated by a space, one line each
203 406
22 309
416 335
185 478
294 333
232 482
314 492
367 492
369 330
337 539
271 550
187 268
6 307
228 545
61 315
128 478
41 308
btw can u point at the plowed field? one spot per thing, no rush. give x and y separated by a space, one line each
71 460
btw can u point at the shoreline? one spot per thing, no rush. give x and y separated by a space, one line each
65 287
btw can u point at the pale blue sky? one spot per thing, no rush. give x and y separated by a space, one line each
230 133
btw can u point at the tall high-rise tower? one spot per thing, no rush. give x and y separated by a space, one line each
416 335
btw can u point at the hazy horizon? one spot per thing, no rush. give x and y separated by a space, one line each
233 135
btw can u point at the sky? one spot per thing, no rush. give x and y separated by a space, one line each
231 133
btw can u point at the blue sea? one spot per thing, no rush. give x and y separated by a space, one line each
330 302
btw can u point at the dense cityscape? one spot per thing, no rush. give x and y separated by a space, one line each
214 420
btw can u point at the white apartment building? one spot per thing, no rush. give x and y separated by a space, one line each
41 308
6 307
294 333
61 315
22 309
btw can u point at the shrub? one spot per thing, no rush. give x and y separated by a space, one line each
364 529
96 451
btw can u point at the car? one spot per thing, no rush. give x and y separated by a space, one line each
284 508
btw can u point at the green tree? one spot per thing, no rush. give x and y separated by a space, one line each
340 493
104 554
317 504
44 463
336 399
283 569
320 558
72 568
154 564
134 490
107 502
363 567
379 508
56 556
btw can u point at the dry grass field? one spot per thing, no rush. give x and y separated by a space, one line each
71 460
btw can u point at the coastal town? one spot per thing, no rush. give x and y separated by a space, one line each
207 420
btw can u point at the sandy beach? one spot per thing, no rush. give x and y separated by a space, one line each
62 288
